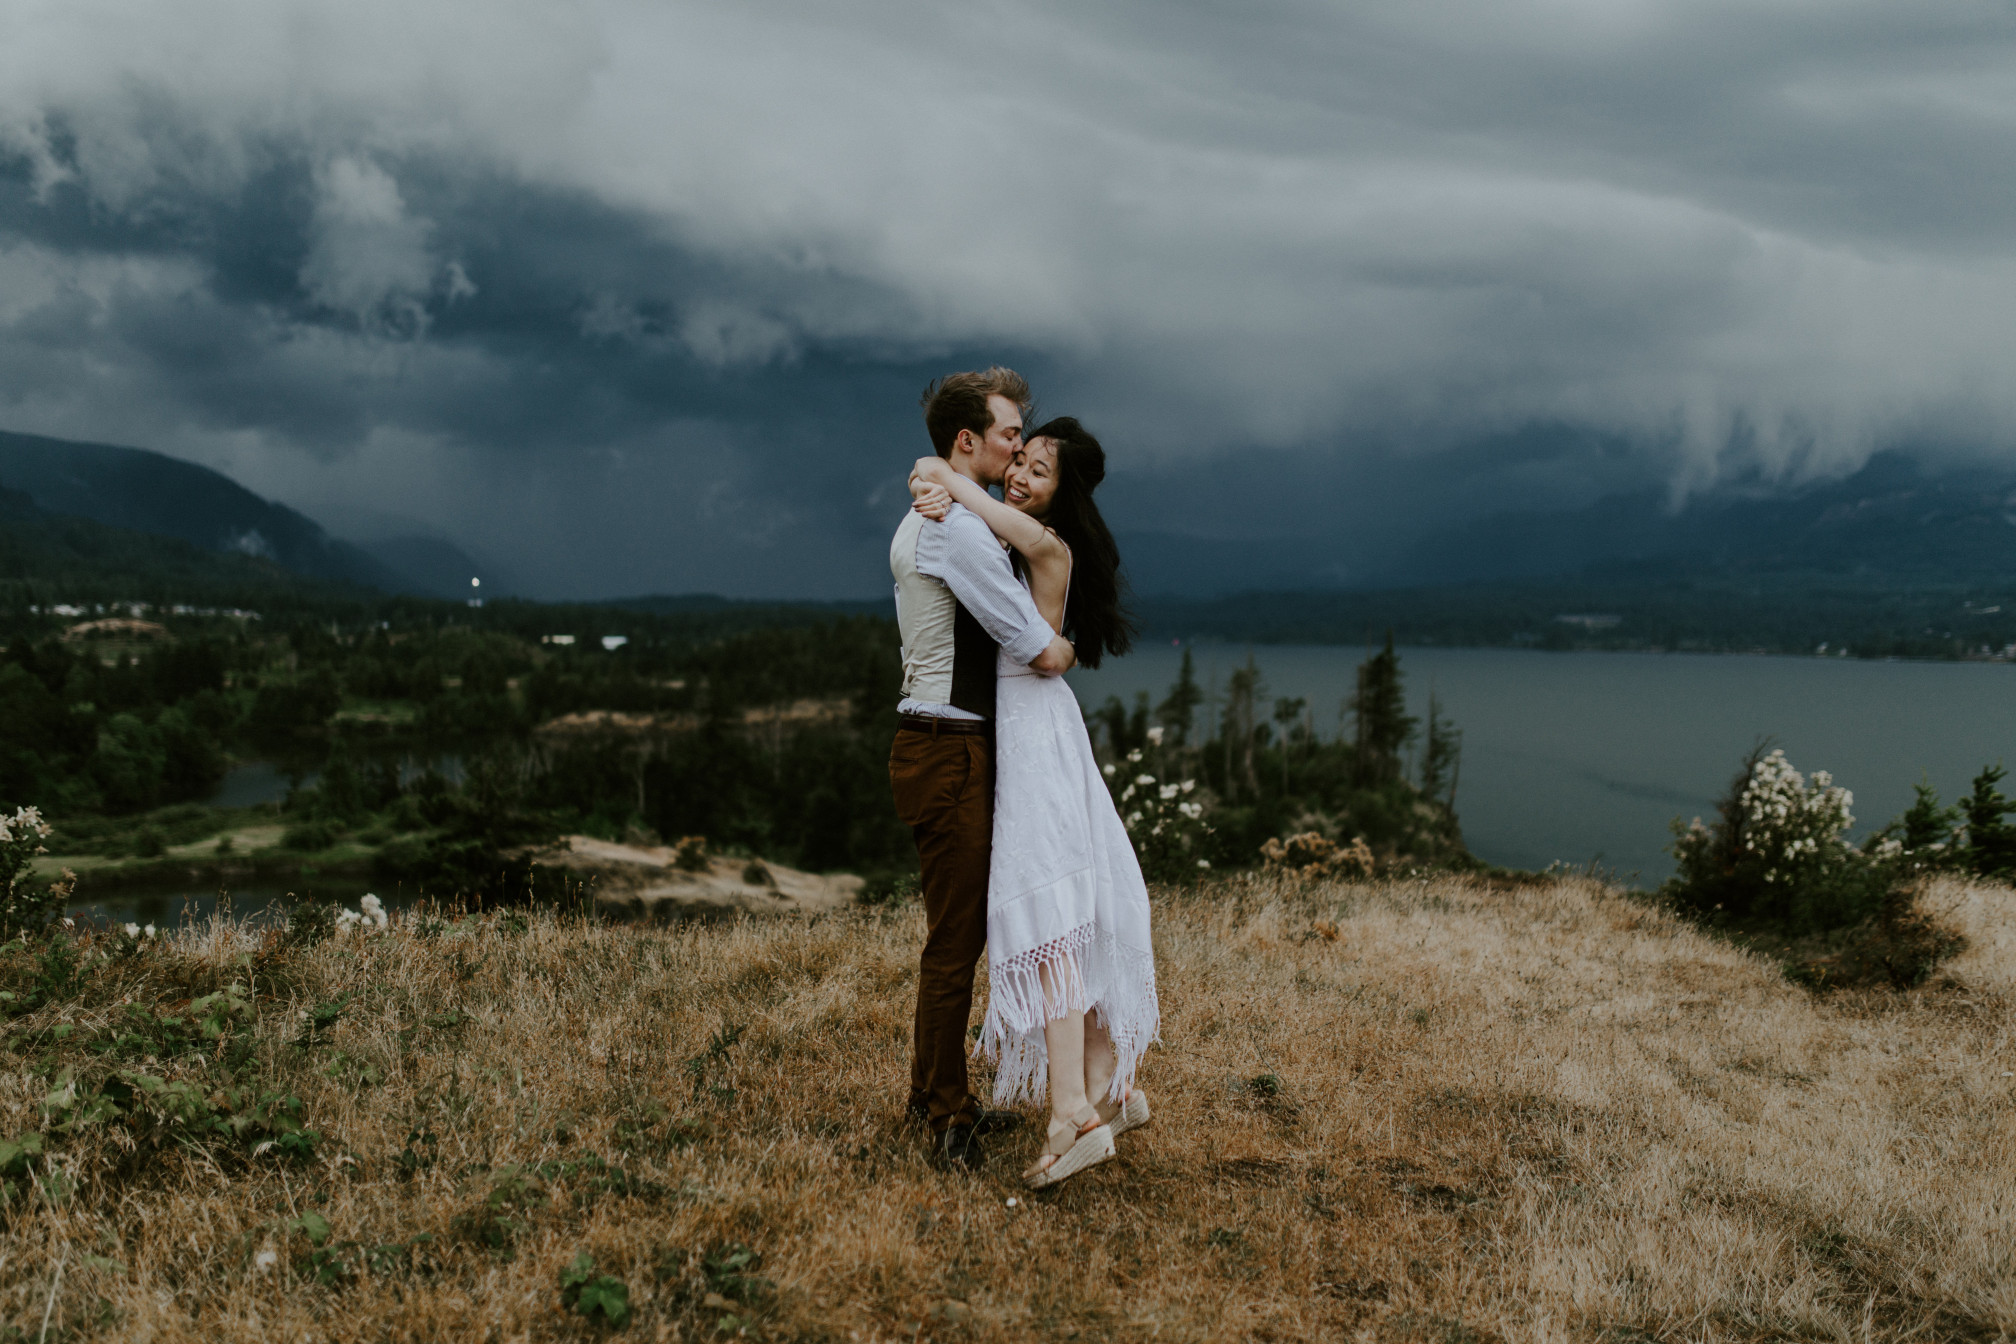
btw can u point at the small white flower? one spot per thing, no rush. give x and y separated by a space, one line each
1011 1201
1107 771
266 1259
1155 736
1169 791
1144 779
148 931
1134 755
1189 784
132 930
1203 863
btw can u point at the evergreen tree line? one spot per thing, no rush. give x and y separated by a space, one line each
409 728
424 742
1390 777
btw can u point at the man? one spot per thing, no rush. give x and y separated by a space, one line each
959 606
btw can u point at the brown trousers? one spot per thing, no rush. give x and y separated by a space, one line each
944 786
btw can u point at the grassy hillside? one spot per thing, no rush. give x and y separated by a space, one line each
1425 1111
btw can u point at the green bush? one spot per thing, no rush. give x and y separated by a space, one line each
1164 820
1778 854
308 837
1991 840
26 905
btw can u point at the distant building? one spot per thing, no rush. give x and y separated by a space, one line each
1590 620
614 642
556 639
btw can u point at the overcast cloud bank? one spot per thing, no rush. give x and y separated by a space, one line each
643 293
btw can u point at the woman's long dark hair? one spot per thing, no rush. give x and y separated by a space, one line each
1095 616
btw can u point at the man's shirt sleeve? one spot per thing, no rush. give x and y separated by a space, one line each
961 552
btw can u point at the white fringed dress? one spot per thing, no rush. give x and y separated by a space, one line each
1065 893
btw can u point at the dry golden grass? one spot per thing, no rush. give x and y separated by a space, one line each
1431 1111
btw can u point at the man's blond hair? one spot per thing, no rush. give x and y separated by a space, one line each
959 401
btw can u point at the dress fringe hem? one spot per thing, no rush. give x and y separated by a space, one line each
1018 1007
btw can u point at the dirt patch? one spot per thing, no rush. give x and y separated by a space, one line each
645 882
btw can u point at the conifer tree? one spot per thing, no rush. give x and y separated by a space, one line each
1241 723
1441 755
1176 713
1991 841
1379 709
1286 711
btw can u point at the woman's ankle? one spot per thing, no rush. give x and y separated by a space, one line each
1077 1119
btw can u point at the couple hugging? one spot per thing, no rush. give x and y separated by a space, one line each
1021 848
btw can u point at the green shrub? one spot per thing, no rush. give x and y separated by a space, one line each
889 886
1778 854
1164 820
308 837
27 906
1991 839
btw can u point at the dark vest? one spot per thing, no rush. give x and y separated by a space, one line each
975 660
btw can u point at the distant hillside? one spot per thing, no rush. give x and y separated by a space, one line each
433 567
1890 522
47 558
144 491
1889 562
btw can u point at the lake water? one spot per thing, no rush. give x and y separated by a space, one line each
1588 756
170 907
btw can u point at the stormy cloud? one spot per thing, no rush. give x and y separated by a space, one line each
637 297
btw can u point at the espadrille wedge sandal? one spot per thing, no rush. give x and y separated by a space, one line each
1070 1149
1130 1114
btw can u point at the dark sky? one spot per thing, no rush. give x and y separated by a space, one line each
637 297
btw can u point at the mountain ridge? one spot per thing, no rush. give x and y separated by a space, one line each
140 490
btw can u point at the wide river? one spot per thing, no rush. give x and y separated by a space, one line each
1586 757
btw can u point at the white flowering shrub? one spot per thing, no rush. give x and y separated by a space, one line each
1164 819
368 917
1779 851
27 906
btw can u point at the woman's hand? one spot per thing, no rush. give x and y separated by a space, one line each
932 471
933 501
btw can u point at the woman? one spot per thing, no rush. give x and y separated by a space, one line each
1070 967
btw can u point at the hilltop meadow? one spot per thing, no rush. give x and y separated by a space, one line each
1401 1096
1434 1108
